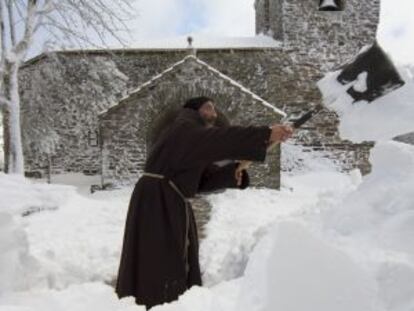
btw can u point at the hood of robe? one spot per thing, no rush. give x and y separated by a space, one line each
190 115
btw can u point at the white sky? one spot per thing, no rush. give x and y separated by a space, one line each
157 19
166 18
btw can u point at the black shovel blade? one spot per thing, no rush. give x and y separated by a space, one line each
382 75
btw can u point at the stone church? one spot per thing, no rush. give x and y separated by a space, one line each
104 107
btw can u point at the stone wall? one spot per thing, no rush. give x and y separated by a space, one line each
62 95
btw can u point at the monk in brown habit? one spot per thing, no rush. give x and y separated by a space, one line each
159 258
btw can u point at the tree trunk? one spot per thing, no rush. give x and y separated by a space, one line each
49 169
14 150
6 136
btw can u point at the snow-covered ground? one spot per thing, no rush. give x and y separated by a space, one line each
327 241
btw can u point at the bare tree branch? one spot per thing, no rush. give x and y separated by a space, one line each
3 52
12 28
22 46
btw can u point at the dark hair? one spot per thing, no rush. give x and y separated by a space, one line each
196 102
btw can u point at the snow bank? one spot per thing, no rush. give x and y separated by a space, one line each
80 242
20 195
19 270
396 285
239 219
382 119
383 195
17 267
293 270
72 239
49 258
375 223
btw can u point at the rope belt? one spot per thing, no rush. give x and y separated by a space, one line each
187 219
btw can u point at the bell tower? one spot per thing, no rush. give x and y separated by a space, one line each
325 31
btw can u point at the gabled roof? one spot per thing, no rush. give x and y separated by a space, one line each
208 67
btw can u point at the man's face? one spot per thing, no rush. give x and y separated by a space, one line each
208 113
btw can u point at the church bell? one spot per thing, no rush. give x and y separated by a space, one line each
330 5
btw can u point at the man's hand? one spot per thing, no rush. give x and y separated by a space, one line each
243 164
280 133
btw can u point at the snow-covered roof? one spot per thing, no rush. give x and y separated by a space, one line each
204 41
200 42
192 57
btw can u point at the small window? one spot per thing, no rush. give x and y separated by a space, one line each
93 138
331 5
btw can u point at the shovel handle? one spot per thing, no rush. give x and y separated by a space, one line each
297 123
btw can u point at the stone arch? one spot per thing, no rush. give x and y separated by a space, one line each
173 101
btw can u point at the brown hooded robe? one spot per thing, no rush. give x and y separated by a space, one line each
152 268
